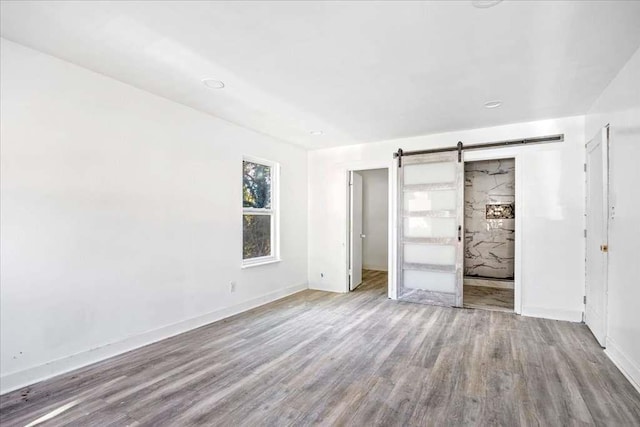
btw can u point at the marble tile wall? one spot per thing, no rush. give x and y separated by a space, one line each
489 243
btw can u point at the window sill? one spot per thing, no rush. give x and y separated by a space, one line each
259 263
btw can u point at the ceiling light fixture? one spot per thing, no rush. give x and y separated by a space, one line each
213 83
485 4
316 132
492 104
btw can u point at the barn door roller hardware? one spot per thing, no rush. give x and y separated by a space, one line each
459 147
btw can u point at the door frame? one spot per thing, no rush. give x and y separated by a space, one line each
500 154
391 271
351 246
605 133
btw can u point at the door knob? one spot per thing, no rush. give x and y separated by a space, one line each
363 236
604 248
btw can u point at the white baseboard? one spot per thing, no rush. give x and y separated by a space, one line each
316 287
628 368
553 313
16 380
375 267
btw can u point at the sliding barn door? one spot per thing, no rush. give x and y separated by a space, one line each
430 213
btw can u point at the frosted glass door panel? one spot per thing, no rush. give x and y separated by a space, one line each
430 215
429 173
430 227
430 281
416 201
430 254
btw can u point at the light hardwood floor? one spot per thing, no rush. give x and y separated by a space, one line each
347 359
488 298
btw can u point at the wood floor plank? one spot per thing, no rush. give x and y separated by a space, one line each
488 298
318 358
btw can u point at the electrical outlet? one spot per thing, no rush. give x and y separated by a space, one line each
232 286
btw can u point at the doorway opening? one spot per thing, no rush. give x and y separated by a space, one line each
368 229
489 231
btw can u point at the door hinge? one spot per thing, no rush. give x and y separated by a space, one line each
585 167
585 233
584 300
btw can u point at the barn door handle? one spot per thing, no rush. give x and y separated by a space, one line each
459 233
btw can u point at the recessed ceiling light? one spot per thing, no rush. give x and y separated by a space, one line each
492 104
316 132
213 83
484 4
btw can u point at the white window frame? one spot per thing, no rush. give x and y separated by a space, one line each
273 212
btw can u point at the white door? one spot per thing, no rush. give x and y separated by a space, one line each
597 176
356 236
430 215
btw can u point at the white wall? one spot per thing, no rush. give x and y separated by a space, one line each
375 185
121 217
619 106
550 183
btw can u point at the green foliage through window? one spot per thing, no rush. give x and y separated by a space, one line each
256 236
256 195
256 185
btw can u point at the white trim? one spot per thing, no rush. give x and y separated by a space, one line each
520 202
393 231
347 245
623 363
350 239
16 380
369 165
259 160
553 313
256 262
257 211
274 212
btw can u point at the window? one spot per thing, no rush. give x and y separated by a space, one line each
259 216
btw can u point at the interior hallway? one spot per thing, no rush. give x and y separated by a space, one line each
348 359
